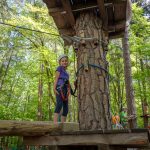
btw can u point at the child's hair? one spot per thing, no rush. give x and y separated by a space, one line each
62 56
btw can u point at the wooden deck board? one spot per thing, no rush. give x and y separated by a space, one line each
33 128
139 139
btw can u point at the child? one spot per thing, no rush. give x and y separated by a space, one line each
61 89
116 122
124 118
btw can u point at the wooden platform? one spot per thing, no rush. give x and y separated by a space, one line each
34 128
127 138
68 134
112 13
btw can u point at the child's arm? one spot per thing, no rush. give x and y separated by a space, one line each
57 74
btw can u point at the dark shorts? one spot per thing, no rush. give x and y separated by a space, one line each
60 103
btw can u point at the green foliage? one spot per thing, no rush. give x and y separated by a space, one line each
23 51
117 95
140 61
140 45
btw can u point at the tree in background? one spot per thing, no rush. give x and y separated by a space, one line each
127 71
116 79
139 45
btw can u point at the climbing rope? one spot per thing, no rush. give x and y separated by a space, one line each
82 66
99 67
92 65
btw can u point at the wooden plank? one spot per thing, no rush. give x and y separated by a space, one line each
118 26
36 128
77 8
120 11
69 14
60 21
56 9
110 14
103 13
66 140
50 3
125 139
82 7
67 31
116 35
116 1
91 5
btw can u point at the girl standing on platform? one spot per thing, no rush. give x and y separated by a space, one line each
61 89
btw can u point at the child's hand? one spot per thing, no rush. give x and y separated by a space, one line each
75 84
56 92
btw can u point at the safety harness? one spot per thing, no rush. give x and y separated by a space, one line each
65 89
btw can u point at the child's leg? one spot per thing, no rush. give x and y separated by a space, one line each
65 111
56 117
63 119
58 108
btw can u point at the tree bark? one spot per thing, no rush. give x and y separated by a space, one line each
6 70
93 91
40 94
50 96
144 99
128 80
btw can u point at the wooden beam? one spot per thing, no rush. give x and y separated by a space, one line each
116 35
120 25
117 26
92 5
56 9
138 139
116 1
36 128
69 14
77 8
50 3
84 7
66 140
67 31
103 13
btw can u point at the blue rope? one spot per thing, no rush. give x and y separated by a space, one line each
92 65
99 67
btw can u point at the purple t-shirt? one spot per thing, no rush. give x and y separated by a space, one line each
63 75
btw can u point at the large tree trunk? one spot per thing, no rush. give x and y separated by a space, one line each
128 81
93 92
